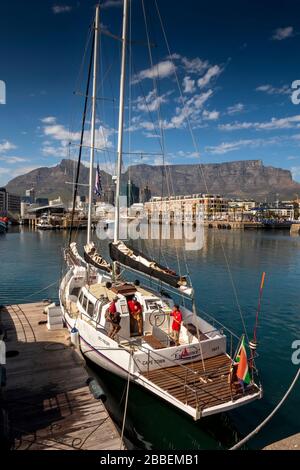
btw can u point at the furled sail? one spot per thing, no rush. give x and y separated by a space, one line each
72 256
92 257
136 260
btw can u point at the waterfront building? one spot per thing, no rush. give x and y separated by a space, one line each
146 195
109 195
279 210
30 194
2 200
42 201
133 193
239 209
210 206
9 202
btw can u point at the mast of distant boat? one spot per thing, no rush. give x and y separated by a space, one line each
121 123
93 123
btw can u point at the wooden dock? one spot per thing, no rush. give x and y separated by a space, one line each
295 229
46 399
288 443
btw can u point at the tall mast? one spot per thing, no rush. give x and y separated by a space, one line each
93 121
121 122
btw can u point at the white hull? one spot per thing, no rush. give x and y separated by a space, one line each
116 356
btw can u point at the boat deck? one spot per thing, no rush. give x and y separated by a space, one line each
198 389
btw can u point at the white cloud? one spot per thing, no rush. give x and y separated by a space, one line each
49 120
158 161
55 151
191 110
236 108
57 9
270 90
296 172
283 33
212 72
274 123
111 4
162 69
226 147
210 115
59 133
151 102
196 65
11 159
5 146
188 85
199 100
182 153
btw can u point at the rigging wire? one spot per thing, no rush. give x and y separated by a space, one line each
162 137
198 153
81 142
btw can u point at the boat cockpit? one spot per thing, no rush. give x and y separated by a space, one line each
91 303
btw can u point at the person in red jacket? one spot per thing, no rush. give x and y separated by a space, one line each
176 325
114 317
136 315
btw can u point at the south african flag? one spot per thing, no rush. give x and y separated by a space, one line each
243 368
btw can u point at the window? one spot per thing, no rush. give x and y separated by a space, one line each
90 309
84 303
80 297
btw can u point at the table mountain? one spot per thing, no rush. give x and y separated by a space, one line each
243 179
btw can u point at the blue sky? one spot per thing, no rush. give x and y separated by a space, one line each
234 62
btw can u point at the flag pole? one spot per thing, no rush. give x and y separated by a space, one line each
258 306
253 343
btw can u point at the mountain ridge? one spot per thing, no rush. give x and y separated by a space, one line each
240 179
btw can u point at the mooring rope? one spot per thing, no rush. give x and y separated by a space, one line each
126 402
268 418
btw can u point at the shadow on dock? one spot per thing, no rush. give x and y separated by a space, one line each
46 402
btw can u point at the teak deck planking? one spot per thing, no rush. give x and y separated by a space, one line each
215 391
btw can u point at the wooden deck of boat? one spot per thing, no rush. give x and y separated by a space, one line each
47 401
196 388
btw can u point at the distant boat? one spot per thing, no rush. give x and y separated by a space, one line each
44 223
3 227
3 224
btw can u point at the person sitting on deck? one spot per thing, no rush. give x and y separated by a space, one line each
114 317
176 325
136 315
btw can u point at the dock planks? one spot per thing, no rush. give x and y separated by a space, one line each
48 403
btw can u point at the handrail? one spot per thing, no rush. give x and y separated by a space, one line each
143 349
189 372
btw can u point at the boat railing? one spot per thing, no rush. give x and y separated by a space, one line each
185 382
193 380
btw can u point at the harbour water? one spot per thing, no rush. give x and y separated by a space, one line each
32 261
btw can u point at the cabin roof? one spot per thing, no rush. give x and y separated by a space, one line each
97 290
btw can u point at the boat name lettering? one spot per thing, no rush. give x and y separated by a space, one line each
151 362
103 341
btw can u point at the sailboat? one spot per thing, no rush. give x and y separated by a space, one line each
196 374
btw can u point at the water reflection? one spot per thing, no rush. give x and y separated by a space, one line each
31 260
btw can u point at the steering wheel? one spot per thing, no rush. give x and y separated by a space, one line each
157 317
